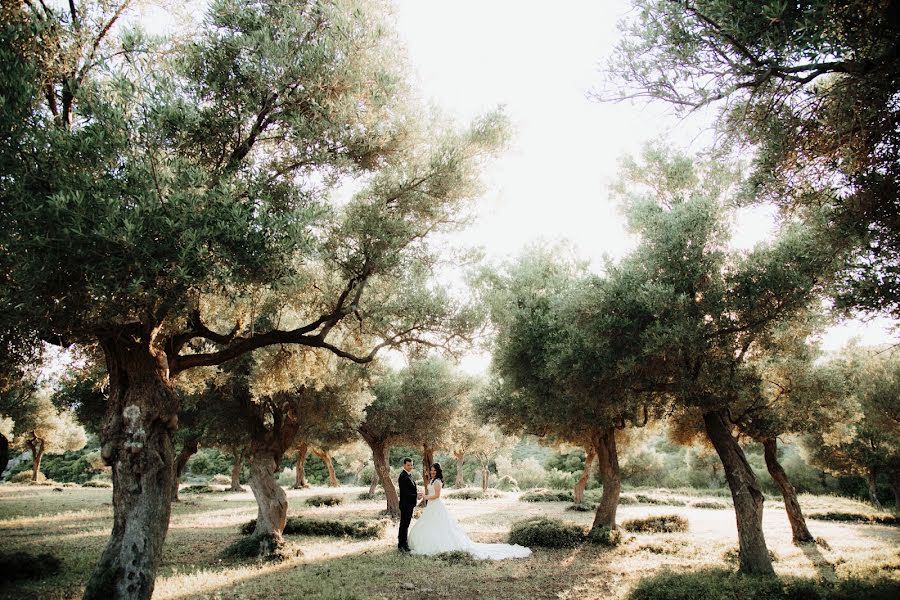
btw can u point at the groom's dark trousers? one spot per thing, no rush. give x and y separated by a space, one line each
407 504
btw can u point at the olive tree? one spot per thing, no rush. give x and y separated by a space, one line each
143 177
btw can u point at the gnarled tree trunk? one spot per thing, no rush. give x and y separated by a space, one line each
895 488
325 457
604 442
190 447
460 480
800 531
581 484
746 494
427 461
141 417
36 445
485 476
271 501
4 453
872 481
380 453
236 471
300 469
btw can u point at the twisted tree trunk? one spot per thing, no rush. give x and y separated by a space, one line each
485 476
300 469
325 456
746 494
800 531
36 445
872 480
271 501
604 442
190 447
581 484
236 471
427 461
380 453
136 438
460 480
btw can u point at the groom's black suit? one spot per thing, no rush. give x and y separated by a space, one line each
408 499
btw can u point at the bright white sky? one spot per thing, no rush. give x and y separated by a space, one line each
539 60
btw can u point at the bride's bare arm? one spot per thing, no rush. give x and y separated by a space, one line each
437 491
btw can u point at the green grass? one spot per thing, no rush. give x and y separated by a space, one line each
657 524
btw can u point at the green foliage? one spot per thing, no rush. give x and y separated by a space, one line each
23 565
544 495
657 524
209 461
546 533
709 504
262 546
326 528
855 517
507 484
325 500
378 495
197 489
97 483
473 494
605 536
583 507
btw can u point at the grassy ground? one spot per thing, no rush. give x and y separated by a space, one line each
74 524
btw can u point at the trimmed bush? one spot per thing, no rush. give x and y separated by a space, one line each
626 499
856 517
22 565
97 483
546 533
604 536
325 500
197 489
657 524
379 495
263 547
715 584
473 494
709 504
325 528
582 507
25 477
545 495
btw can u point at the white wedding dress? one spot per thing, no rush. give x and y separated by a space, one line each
436 531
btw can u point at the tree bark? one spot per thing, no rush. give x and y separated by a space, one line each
872 480
136 441
325 456
800 531
745 493
4 453
190 447
380 453
36 445
485 476
427 461
581 484
604 442
236 471
460 480
271 501
374 485
300 469
895 488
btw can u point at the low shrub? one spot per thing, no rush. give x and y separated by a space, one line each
262 546
582 507
545 495
626 499
657 524
733 555
605 536
508 484
97 483
645 499
25 477
714 504
197 489
220 480
474 494
325 500
23 565
546 533
714 584
660 548
457 557
379 495
856 517
326 528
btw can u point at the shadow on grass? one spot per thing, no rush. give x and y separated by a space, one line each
713 584
824 568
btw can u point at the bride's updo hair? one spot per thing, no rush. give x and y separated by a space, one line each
438 472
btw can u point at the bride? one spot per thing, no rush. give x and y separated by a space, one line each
437 531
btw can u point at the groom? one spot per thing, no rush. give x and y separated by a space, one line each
409 495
